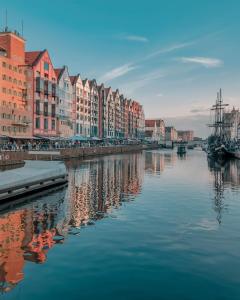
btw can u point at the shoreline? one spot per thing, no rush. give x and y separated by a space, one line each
10 158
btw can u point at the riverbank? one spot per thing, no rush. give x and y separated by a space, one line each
15 157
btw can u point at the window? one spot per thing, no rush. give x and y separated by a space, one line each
46 66
38 107
45 109
45 124
37 123
53 110
53 125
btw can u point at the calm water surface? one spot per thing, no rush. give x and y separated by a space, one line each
148 225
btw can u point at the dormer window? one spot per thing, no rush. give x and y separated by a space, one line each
46 66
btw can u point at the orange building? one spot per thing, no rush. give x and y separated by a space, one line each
15 109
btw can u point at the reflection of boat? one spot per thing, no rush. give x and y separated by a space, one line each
219 144
226 174
181 149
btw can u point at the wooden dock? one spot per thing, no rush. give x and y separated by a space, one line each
34 177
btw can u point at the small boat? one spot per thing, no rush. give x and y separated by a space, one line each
181 149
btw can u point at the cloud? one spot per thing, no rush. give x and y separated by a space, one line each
117 72
207 62
142 81
199 110
159 95
169 49
136 38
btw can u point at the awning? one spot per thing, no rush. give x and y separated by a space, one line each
94 138
78 138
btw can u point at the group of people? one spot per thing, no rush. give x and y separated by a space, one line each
31 145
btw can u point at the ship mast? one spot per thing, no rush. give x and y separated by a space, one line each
218 124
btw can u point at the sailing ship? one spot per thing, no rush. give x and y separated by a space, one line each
219 144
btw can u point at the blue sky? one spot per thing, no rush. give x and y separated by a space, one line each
171 55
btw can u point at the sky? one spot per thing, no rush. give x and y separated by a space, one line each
170 55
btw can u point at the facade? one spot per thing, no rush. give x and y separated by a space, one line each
15 104
42 92
94 112
140 122
110 133
185 135
87 108
101 111
155 130
65 107
232 120
171 134
117 117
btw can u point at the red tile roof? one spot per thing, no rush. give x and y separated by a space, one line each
58 72
73 79
32 56
149 123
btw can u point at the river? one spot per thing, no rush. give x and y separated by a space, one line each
148 225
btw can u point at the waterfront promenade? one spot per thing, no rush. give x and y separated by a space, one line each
15 157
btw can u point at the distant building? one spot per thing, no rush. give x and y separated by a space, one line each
232 120
15 107
185 135
171 134
155 130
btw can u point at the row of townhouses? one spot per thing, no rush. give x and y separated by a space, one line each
37 99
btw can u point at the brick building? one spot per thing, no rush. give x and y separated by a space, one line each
15 105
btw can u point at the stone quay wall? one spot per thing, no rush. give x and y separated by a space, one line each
16 157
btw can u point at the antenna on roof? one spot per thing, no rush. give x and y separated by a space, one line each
22 27
6 20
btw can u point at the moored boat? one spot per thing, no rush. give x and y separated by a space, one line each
219 144
181 149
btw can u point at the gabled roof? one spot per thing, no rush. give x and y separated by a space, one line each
32 57
85 81
101 86
74 79
59 72
107 90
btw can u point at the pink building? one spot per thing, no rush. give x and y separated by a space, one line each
43 89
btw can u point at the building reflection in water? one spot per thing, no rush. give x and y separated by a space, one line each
97 186
28 232
226 175
156 162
